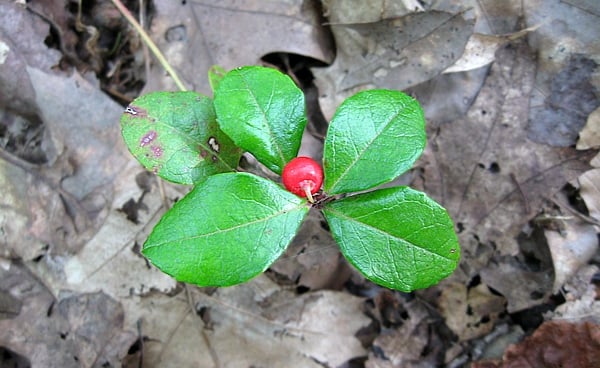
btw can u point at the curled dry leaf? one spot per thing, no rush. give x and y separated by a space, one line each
571 249
557 344
481 50
589 137
581 296
589 190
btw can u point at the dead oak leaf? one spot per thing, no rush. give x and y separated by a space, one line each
557 344
486 171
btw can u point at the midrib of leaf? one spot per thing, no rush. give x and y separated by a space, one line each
220 231
345 172
352 219
188 139
266 120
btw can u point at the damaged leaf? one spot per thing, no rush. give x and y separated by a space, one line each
176 135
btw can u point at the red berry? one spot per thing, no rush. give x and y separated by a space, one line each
302 176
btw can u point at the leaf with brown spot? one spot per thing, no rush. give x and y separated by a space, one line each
176 135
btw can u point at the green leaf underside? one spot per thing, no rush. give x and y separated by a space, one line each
176 135
263 111
374 136
396 237
226 230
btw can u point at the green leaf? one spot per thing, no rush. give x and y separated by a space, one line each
396 237
226 230
175 134
263 111
374 136
215 74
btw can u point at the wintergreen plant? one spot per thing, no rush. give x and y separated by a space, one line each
233 225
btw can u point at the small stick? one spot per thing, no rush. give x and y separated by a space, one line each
161 59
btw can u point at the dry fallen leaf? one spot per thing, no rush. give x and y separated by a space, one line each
557 344
19 50
493 179
571 248
196 35
63 203
74 330
396 52
485 170
407 345
313 259
572 97
470 313
589 137
481 50
273 326
582 302
589 190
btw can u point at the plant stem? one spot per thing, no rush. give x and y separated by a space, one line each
150 43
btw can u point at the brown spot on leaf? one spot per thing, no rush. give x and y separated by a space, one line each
148 138
203 153
214 158
136 111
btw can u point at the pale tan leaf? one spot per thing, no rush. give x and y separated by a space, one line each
589 137
571 248
470 313
481 50
589 189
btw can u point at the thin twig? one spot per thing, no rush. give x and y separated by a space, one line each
192 306
585 218
141 337
161 59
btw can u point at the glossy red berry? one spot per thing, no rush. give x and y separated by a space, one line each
302 176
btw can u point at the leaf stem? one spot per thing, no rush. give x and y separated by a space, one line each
161 58
309 196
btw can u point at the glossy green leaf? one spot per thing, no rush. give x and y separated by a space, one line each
215 74
175 134
396 237
263 111
226 230
373 137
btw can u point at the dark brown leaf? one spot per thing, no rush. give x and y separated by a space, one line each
557 344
